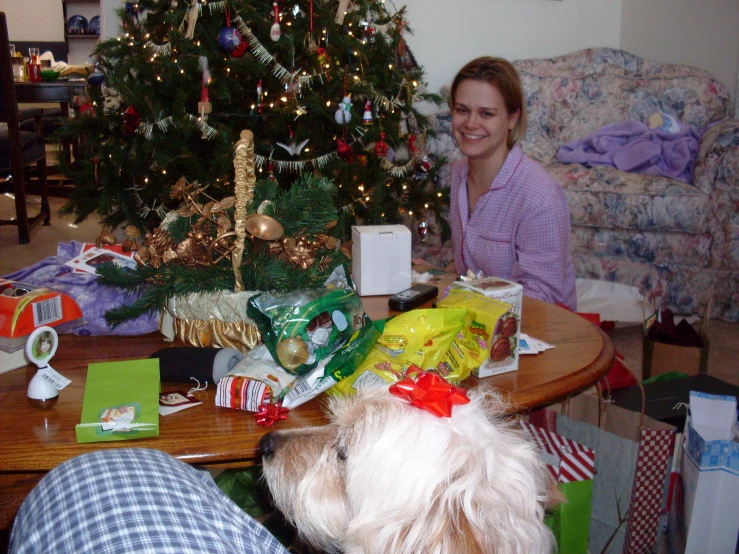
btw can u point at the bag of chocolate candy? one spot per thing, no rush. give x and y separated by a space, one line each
302 328
474 341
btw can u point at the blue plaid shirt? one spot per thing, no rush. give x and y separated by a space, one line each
134 500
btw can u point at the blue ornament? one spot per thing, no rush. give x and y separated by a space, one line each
229 39
96 78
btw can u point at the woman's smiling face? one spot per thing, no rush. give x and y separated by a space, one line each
480 121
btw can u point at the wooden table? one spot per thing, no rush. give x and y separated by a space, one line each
34 441
57 92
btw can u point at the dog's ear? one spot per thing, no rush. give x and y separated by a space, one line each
439 530
460 536
556 496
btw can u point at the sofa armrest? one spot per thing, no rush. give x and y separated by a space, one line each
538 145
717 164
716 174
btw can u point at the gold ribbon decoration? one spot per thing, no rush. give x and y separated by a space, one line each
245 179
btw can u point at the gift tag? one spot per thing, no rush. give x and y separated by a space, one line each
53 377
171 402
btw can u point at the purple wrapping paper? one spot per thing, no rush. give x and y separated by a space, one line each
93 299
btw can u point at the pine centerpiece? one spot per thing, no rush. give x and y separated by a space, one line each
261 238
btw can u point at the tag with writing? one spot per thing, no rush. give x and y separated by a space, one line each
171 402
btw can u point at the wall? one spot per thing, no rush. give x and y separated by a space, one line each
111 23
704 34
29 20
43 20
449 34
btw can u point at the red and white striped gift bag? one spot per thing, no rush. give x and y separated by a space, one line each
567 460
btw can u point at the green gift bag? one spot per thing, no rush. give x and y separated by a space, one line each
570 521
121 401
572 466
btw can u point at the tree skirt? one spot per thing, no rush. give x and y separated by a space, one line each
93 299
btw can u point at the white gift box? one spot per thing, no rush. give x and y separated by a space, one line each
504 342
381 259
709 520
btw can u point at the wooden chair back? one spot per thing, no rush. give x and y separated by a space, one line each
9 115
8 105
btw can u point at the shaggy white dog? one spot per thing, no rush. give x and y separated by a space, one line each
389 478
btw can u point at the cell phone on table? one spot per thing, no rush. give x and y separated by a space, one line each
412 297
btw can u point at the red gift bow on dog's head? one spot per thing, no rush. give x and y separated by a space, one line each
269 413
429 391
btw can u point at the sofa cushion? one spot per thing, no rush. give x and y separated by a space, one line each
653 247
686 289
604 197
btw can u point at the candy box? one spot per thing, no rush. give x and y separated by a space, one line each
24 308
381 259
503 355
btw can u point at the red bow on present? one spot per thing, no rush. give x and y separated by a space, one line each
269 413
429 392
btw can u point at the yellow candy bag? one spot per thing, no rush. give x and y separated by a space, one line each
418 337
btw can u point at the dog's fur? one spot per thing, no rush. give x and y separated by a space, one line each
388 478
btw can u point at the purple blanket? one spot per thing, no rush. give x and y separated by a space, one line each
92 298
632 146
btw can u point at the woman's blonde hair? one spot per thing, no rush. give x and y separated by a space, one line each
503 76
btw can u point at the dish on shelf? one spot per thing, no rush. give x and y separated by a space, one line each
77 25
95 25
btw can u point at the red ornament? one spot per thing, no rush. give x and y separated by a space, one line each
274 32
322 56
86 109
271 170
429 391
240 50
344 151
131 120
381 146
269 413
412 143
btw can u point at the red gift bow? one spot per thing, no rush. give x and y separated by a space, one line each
269 413
429 392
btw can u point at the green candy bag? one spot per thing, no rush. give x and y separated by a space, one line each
302 328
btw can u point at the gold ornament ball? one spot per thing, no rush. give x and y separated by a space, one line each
292 353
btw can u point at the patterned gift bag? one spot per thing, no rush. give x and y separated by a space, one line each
655 449
571 465
631 472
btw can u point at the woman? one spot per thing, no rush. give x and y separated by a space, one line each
509 218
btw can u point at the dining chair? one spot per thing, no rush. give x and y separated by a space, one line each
19 150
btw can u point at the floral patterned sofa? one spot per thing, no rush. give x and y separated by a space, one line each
676 242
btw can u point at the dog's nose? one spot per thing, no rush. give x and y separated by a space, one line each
268 444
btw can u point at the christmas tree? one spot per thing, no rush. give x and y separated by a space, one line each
328 88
